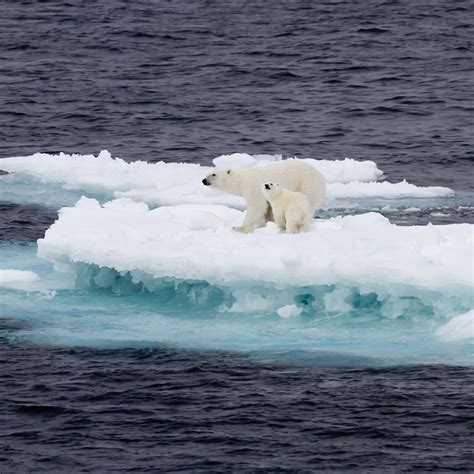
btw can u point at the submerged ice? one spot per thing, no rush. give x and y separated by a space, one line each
118 270
315 324
11 278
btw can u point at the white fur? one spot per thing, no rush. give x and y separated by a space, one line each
291 210
294 175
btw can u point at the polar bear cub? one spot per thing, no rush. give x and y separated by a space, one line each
294 175
291 210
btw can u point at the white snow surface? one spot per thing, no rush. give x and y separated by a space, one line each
162 183
459 328
197 242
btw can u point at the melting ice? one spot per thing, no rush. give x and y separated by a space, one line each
144 254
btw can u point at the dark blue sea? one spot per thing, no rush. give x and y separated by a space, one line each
187 81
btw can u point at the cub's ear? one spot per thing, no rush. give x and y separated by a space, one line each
228 171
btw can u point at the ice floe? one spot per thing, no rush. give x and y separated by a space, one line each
354 282
197 242
161 183
387 190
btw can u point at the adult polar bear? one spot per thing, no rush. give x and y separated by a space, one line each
294 175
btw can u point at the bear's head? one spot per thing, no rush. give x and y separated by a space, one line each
270 190
219 178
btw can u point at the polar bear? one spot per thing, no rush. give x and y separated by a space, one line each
291 210
294 175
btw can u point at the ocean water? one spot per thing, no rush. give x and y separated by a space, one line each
105 372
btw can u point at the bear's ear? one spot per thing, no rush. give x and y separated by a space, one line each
228 171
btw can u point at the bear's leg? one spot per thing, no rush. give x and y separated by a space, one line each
305 225
291 228
269 214
280 220
303 228
255 216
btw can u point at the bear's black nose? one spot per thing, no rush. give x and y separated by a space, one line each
205 182
267 186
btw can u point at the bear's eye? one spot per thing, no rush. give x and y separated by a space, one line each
228 172
213 174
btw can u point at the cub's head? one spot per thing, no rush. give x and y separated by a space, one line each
218 178
271 189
